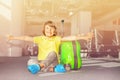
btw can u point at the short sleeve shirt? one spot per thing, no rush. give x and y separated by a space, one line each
47 45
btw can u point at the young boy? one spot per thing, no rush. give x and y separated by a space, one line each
48 45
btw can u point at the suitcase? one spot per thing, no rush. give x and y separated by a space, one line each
70 54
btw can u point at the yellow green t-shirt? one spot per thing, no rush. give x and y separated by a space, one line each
46 45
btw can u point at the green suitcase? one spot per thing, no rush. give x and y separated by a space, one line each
70 54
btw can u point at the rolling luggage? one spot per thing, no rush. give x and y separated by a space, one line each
70 54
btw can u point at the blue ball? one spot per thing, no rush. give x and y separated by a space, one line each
35 68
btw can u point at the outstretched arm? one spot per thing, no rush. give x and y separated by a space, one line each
71 38
23 38
78 37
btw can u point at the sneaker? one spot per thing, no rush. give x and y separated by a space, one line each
35 68
59 68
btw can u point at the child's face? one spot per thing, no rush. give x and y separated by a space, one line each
49 31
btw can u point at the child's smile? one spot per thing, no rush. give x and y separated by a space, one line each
49 31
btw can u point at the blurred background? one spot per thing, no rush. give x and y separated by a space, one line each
72 17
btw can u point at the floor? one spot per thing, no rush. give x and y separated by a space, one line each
15 68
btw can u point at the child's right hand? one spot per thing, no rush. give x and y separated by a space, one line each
10 37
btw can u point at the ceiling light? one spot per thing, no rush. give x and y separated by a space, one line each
70 13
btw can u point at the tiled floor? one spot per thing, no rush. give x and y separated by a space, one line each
92 69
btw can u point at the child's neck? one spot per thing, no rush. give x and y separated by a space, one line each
49 36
